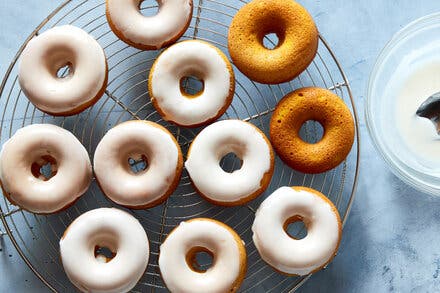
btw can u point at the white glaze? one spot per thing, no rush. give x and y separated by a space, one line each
152 31
134 139
105 227
185 59
418 134
51 50
27 146
219 139
180 278
288 255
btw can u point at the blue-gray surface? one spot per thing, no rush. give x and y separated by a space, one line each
391 240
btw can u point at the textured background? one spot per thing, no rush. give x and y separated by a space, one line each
391 240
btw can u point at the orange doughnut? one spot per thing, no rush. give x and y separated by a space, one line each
330 111
295 29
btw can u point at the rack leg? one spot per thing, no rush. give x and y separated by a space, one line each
2 240
2 233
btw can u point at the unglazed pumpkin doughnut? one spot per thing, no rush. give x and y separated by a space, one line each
55 48
29 149
286 254
116 230
149 32
191 58
312 104
177 257
295 29
138 140
248 143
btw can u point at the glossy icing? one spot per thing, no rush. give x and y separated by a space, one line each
219 139
33 144
105 227
177 274
184 59
135 139
53 49
151 31
288 255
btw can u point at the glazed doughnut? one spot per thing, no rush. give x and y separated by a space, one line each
292 256
29 149
248 143
109 228
296 48
184 59
138 140
312 104
152 32
177 257
55 48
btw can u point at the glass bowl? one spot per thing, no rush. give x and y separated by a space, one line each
408 48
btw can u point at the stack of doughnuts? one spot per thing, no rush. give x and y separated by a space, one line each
84 79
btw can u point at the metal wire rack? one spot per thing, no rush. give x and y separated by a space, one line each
36 237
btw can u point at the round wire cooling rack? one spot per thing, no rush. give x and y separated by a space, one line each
36 237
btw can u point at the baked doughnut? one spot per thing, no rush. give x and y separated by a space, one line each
22 158
292 256
177 261
138 140
149 32
329 110
191 58
55 48
249 144
88 268
296 48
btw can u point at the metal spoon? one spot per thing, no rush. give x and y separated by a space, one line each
431 109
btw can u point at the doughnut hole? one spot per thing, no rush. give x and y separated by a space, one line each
60 61
273 36
200 259
138 163
311 131
271 41
295 227
149 8
44 168
231 162
65 70
105 244
191 86
103 253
